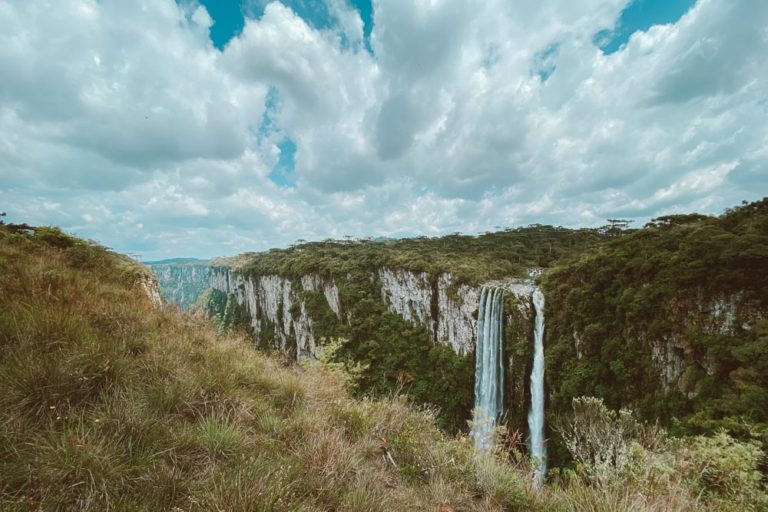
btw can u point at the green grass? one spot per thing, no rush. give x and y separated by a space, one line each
108 402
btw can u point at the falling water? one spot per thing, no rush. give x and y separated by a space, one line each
536 415
489 367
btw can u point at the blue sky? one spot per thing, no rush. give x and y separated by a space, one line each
641 15
172 128
229 15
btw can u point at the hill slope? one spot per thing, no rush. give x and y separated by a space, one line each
109 403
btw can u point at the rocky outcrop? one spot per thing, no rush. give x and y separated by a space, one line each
677 342
675 353
448 309
456 320
277 307
313 283
150 288
278 314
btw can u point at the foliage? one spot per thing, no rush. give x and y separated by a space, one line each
472 259
393 354
109 403
614 451
669 320
599 439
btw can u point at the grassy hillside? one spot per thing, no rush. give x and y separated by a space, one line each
110 403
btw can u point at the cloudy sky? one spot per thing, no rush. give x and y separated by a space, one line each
199 128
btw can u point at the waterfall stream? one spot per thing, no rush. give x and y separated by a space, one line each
489 367
536 414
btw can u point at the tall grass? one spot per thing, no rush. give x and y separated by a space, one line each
110 403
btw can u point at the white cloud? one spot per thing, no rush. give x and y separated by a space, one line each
122 121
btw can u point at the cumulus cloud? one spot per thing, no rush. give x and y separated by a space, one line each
121 121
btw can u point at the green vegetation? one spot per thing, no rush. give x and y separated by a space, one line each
182 280
390 353
394 355
620 457
472 259
669 320
109 403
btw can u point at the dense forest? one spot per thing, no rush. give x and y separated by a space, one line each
669 320
472 259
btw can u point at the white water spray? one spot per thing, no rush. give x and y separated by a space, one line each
489 367
536 414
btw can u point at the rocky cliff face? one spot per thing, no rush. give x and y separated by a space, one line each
448 310
278 305
277 309
152 290
672 354
182 283
677 354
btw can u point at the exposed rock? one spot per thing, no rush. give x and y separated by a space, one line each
452 321
182 283
409 294
313 283
152 291
273 303
673 354
456 324
668 357
447 310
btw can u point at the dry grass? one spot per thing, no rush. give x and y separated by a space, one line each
108 403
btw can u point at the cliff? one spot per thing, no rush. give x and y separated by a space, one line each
305 313
670 321
276 306
181 281
400 314
110 403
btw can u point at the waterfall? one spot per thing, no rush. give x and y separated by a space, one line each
536 415
489 367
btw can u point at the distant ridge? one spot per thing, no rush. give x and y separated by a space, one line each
176 261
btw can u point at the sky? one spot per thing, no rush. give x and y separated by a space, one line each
171 128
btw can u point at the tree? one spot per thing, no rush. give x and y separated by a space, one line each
678 220
615 227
